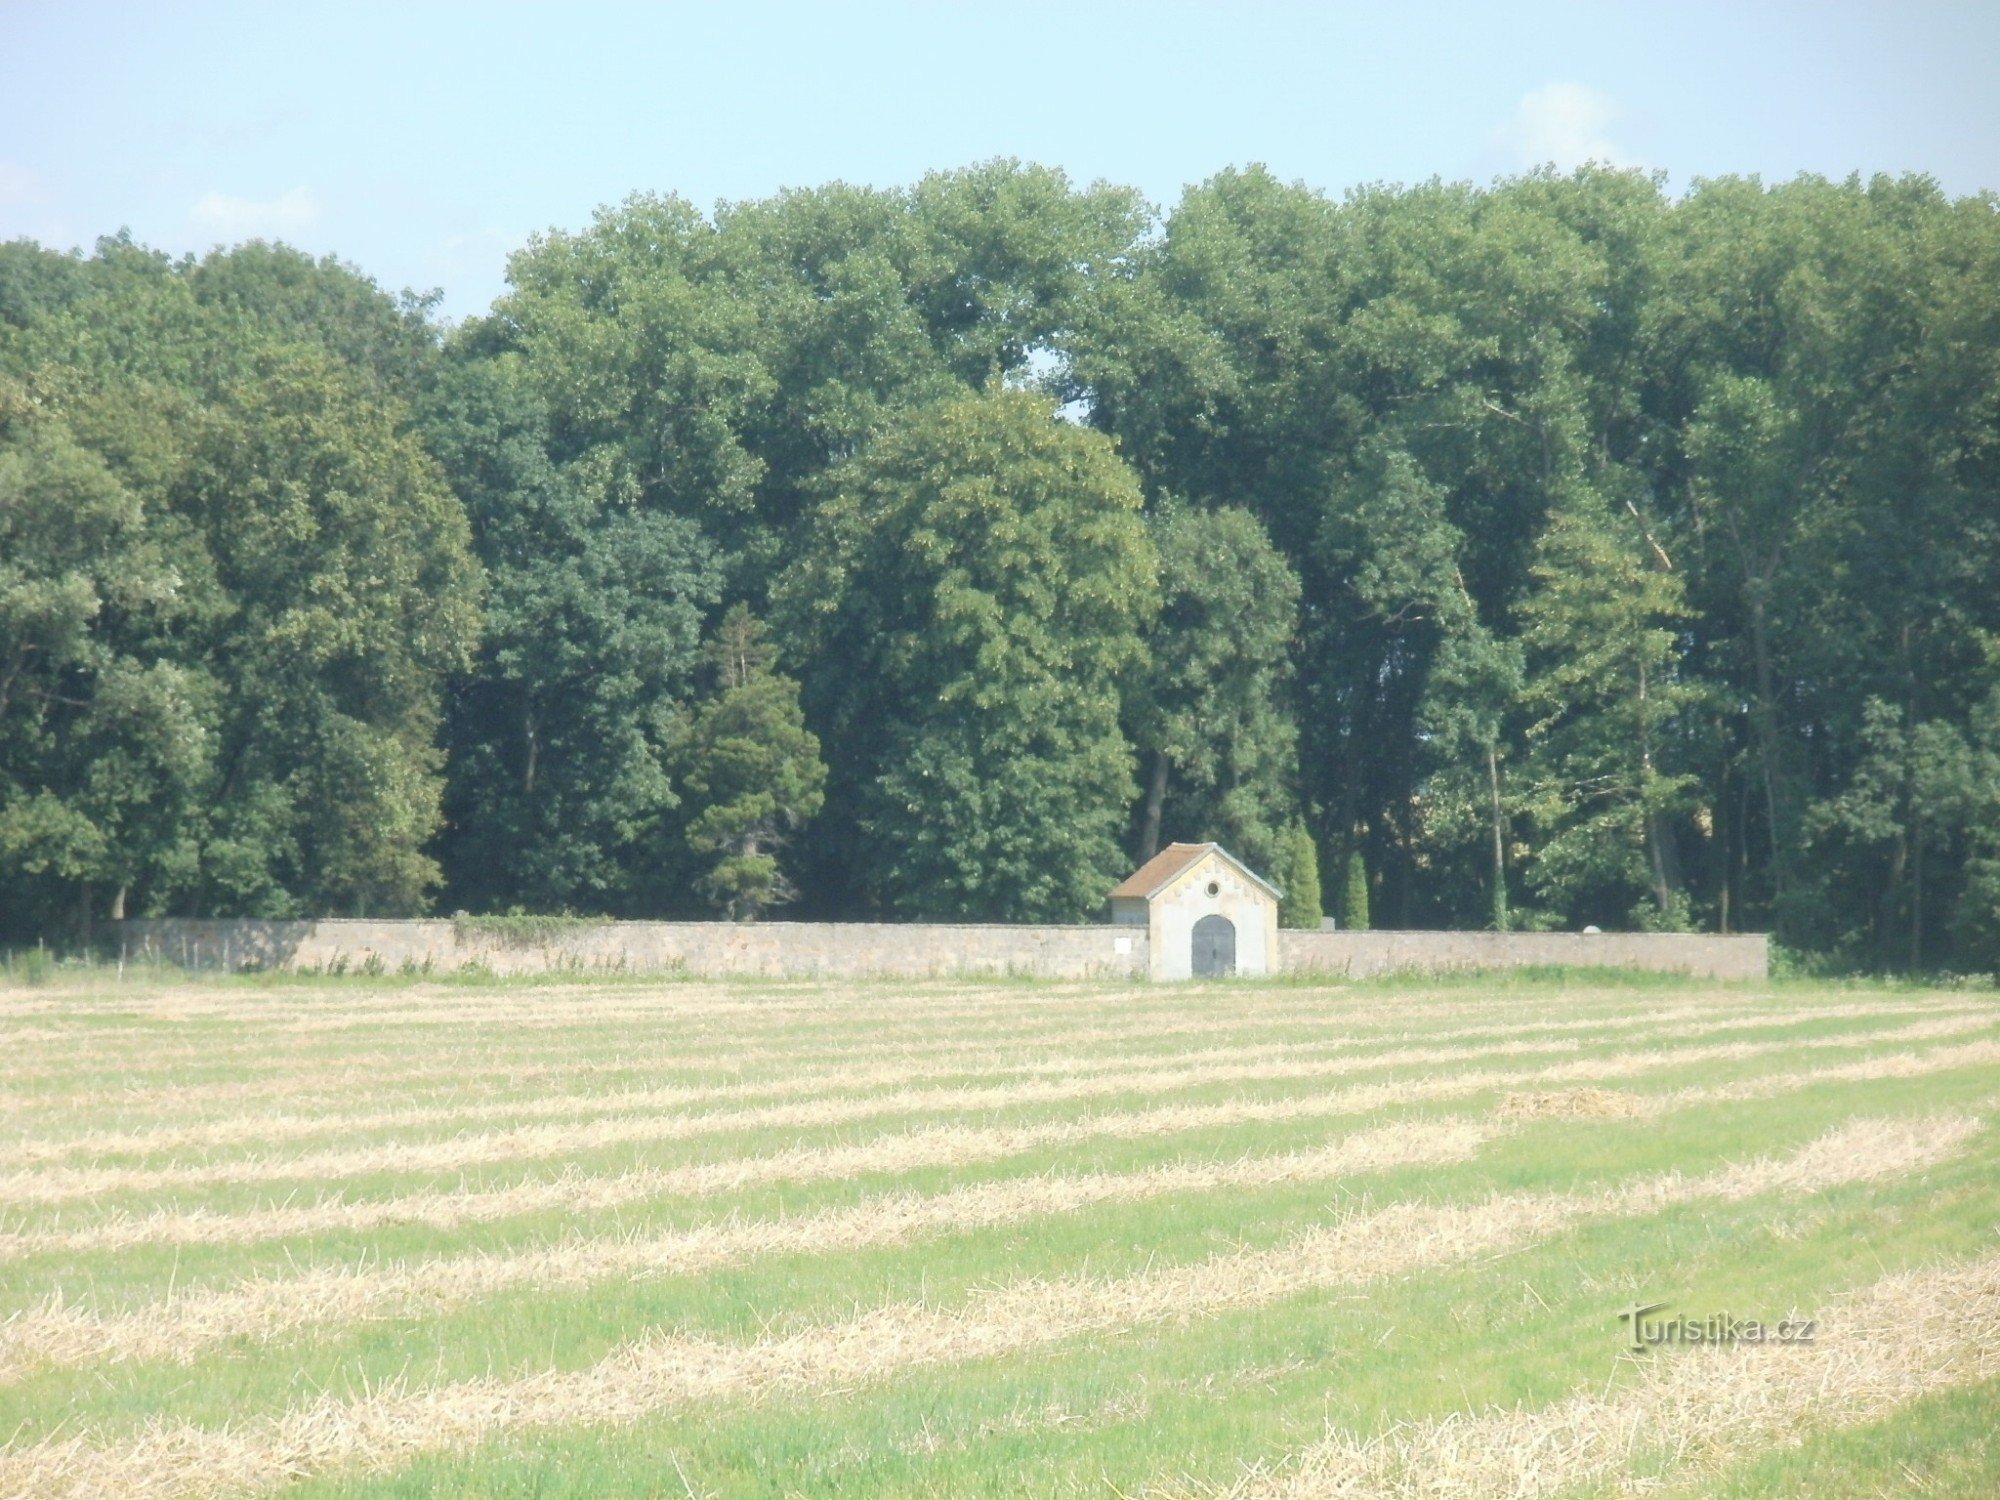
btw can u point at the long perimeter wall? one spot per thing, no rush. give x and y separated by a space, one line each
1358 954
860 949
705 949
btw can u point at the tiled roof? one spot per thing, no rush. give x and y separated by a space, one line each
1157 873
1159 870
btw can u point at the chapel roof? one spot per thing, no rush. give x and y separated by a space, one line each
1159 872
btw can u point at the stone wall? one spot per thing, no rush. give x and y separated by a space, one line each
835 949
1356 954
707 949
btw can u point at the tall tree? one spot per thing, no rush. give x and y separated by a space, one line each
1296 872
715 368
1218 747
259 732
751 772
972 595
106 748
352 593
560 792
1607 700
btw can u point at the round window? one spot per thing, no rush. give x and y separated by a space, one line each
1215 888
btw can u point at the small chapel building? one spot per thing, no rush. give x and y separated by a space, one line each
1206 913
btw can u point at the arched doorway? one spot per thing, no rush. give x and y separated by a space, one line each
1214 947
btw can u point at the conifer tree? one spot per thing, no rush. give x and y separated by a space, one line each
1354 903
752 768
1297 875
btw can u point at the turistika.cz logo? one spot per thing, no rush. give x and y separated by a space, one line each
1648 1332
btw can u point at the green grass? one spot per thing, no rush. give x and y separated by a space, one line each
1157 1407
1947 1444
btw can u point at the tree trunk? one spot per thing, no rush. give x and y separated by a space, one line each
1156 801
1884 921
533 748
744 905
118 904
1745 792
1500 914
1764 719
1916 900
1723 839
1649 824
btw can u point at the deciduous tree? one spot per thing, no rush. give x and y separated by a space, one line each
971 599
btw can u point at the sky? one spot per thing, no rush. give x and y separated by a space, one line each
423 142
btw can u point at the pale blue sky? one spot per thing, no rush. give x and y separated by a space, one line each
424 141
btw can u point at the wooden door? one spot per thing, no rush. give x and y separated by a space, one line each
1214 947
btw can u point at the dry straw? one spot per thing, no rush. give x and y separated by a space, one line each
961 1062
543 1142
530 1142
496 1050
268 1040
902 1152
665 1371
1690 1415
557 1141
185 1326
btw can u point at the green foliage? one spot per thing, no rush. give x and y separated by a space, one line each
351 592
1218 745
560 794
752 768
1354 894
971 596
235 585
1607 700
32 967
1296 873
716 369
1923 796
104 749
1605 556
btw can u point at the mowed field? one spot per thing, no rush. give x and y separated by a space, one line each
371 1238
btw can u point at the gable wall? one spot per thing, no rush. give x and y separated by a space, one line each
1186 901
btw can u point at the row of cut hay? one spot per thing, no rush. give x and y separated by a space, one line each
498 1045
1876 1350
947 1146
744 1011
790 1003
60 1183
274 1039
290 1021
183 1326
968 1065
662 1371
299 1079
1588 1103
843 1082
65 1183
267 1042
952 1060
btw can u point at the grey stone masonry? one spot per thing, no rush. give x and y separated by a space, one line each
1358 954
705 949
888 949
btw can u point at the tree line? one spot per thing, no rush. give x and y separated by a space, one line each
1555 552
